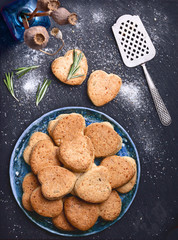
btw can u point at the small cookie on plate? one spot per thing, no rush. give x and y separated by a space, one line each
77 154
53 123
56 182
62 223
128 186
81 214
35 137
68 127
62 65
44 207
111 208
103 87
120 170
93 165
105 139
93 186
43 154
29 184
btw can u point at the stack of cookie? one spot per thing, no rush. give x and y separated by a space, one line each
65 184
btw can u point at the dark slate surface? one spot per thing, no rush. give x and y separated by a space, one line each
153 214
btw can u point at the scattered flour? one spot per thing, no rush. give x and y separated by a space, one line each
30 86
78 25
36 57
131 94
98 17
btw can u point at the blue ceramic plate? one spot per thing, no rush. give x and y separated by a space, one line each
18 168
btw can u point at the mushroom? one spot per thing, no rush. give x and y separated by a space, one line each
62 16
46 5
36 37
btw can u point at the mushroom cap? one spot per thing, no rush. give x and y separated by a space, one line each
46 5
72 19
61 16
36 37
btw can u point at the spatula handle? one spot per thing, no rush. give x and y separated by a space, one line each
162 111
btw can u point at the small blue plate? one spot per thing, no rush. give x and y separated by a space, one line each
18 168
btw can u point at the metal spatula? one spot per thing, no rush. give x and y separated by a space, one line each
136 48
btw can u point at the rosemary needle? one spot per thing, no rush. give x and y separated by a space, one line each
41 91
9 83
75 65
23 70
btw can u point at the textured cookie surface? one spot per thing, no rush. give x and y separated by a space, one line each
61 67
68 127
30 183
93 165
128 186
43 154
103 87
111 208
43 206
35 137
93 186
106 141
56 182
81 214
54 122
77 154
62 223
120 170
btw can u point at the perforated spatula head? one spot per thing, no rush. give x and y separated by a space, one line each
133 41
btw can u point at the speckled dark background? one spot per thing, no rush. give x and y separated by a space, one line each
153 214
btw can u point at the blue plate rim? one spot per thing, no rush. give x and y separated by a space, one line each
39 119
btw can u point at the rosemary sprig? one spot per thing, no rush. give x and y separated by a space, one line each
9 83
23 70
41 91
75 65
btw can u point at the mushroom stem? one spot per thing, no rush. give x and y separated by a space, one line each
28 14
25 22
52 54
33 14
40 14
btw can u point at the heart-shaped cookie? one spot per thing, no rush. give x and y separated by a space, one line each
103 87
111 208
43 154
128 186
81 214
120 170
35 137
53 123
56 182
77 154
105 139
43 206
68 127
62 65
30 183
93 186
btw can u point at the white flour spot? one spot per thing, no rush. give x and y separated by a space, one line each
131 94
29 87
78 25
98 17
31 83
